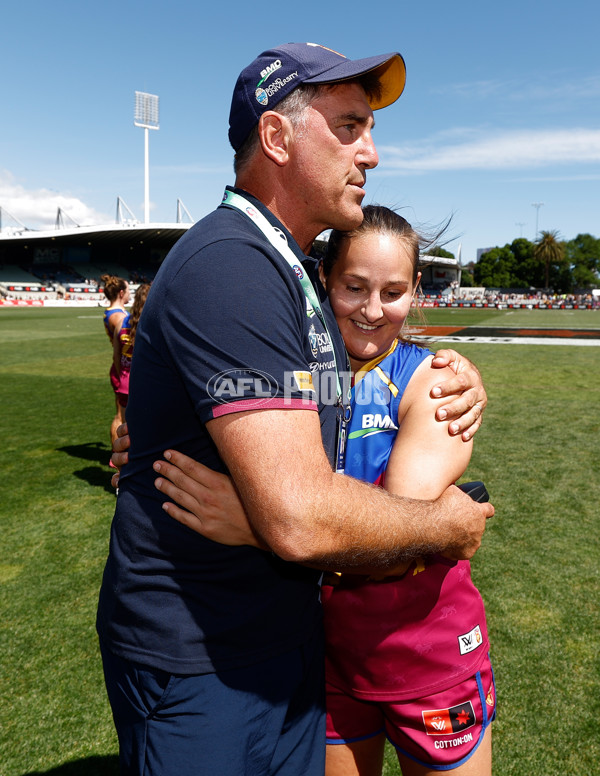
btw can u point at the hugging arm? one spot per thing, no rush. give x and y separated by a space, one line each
204 500
340 523
465 388
425 461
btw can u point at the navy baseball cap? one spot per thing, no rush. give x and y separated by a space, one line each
277 72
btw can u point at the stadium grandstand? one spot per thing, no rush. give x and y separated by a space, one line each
65 264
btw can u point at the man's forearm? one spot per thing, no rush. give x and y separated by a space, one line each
307 514
356 527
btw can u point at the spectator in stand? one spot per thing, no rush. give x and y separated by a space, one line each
123 342
116 290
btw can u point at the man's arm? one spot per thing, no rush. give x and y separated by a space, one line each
463 413
308 514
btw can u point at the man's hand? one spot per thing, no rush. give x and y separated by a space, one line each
469 522
120 456
466 409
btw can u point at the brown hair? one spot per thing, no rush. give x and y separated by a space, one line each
113 286
136 310
383 220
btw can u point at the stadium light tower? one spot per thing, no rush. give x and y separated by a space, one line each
146 116
537 206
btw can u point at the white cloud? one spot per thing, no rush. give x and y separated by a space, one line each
552 88
523 149
477 89
37 208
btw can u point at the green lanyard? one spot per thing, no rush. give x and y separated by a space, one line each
279 242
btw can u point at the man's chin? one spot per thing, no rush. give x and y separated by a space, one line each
351 218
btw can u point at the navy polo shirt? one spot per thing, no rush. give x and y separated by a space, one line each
225 329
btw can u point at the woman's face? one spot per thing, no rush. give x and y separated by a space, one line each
126 295
370 289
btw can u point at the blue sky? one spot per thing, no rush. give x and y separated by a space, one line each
501 108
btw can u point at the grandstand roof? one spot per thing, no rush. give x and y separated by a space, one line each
160 235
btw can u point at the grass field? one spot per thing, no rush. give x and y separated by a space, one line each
538 569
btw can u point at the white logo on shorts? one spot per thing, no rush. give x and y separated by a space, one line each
470 641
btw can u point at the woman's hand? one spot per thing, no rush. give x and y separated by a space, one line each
466 410
208 501
120 454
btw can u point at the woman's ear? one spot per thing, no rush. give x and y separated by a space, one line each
274 132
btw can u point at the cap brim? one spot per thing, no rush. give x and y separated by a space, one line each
389 68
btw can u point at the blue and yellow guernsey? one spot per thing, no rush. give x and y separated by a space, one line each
401 637
376 396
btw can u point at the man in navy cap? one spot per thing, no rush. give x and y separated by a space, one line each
213 654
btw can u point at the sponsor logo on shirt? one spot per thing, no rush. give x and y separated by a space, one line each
373 423
304 381
446 722
319 341
322 366
470 641
312 340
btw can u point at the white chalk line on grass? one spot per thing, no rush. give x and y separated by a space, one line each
513 340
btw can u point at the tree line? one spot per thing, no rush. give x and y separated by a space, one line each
561 266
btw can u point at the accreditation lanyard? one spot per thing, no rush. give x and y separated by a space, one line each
279 242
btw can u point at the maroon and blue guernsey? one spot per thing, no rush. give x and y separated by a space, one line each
402 637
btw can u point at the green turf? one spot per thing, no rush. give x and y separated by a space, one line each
470 316
537 570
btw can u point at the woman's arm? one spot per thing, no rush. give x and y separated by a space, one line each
206 500
117 350
425 459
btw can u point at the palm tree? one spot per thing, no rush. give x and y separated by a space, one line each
549 250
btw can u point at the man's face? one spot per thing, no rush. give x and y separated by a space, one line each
331 153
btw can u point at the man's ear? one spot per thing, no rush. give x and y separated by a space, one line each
274 132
